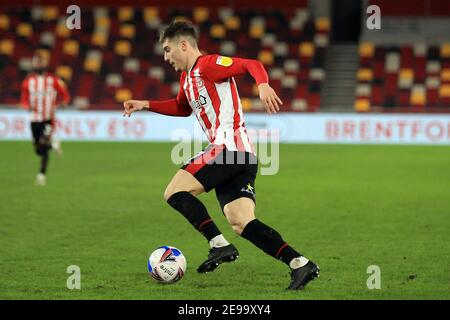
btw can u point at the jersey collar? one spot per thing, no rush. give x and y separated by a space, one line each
195 63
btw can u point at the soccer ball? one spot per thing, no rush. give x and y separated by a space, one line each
167 264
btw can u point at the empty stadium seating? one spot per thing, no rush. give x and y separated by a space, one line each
406 78
116 56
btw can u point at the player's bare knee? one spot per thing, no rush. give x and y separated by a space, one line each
238 225
168 193
44 141
237 228
171 190
235 222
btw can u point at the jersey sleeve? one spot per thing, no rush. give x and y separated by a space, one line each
25 95
178 107
62 90
218 68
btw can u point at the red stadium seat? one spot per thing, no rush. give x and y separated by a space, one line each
290 41
405 76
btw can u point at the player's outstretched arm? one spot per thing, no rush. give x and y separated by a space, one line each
178 107
269 98
25 95
131 106
172 107
63 92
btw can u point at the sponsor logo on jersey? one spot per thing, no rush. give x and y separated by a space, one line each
201 101
249 189
224 61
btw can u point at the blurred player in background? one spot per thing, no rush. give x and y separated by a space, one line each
41 91
228 164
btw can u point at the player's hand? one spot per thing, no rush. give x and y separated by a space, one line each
131 106
269 98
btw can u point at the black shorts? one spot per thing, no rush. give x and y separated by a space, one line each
231 173
42 131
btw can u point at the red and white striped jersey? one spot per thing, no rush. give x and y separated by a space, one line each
209 91
40 95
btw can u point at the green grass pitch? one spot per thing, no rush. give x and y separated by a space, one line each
346 207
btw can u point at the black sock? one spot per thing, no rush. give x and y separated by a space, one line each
44 159
195 212
269 241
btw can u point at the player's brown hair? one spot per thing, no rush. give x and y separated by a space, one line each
179 28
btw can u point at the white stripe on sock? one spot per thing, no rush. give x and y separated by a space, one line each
218 241
298 262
